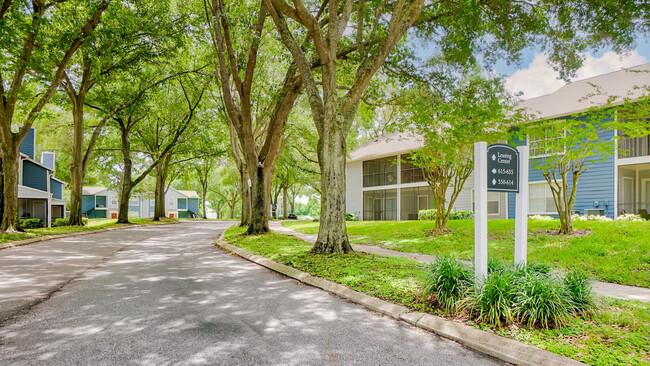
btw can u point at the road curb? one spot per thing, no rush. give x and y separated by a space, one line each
485 342
38 239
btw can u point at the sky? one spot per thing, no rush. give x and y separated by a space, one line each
534 77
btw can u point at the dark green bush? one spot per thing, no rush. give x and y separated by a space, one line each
351 217
447 282
543 301
579 288
66 222
461 215
30 223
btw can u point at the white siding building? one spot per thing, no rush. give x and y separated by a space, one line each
382 185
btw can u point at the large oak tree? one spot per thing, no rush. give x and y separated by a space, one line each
36 38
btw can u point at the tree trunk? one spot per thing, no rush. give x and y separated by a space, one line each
159 194
10 156
332 233
284 201
204 194
76 167
125 191
259 223
245 198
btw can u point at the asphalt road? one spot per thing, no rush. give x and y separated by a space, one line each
166 296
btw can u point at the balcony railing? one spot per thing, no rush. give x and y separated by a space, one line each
633 147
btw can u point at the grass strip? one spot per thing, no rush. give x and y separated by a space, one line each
617 334
93 224
616 252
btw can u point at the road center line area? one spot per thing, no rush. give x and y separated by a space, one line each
166 296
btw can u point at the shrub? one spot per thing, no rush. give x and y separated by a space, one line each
541 218
30 223
493 301
542 301
427 214
453 215
630 218
461 215
447 282
66 222
576 217
579 288
351 217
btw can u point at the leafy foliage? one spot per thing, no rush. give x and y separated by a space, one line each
30 223
430 214
447 282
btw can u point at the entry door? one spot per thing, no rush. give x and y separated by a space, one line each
376 208
627 201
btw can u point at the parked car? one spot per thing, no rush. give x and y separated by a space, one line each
292 216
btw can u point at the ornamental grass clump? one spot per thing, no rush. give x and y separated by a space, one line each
447 283
579 288
493 301
543 301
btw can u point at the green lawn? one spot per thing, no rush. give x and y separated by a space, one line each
617 252
617 334
93 224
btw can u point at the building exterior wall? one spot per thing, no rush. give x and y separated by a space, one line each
193 205
97 214
87 203
182 203
34 176
596 186
28 146
56 188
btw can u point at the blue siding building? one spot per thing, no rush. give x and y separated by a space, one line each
40 193
100 202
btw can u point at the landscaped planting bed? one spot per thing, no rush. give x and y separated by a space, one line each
611 332
617 252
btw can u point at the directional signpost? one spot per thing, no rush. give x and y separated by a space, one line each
499 168
503 168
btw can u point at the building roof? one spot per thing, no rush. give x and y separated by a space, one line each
581 95
92 190
188 194
386 145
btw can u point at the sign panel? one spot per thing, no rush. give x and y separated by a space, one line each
503 168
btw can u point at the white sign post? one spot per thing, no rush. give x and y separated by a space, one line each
521 212
480 210
505 170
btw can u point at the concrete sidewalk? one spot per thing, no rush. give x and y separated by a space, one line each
600 288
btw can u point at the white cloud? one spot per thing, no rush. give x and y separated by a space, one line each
539 78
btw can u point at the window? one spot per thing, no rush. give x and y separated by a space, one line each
546 145
171 203
541 199
380 172
114 202
494 203
409 172
380 205
134 201
413 200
